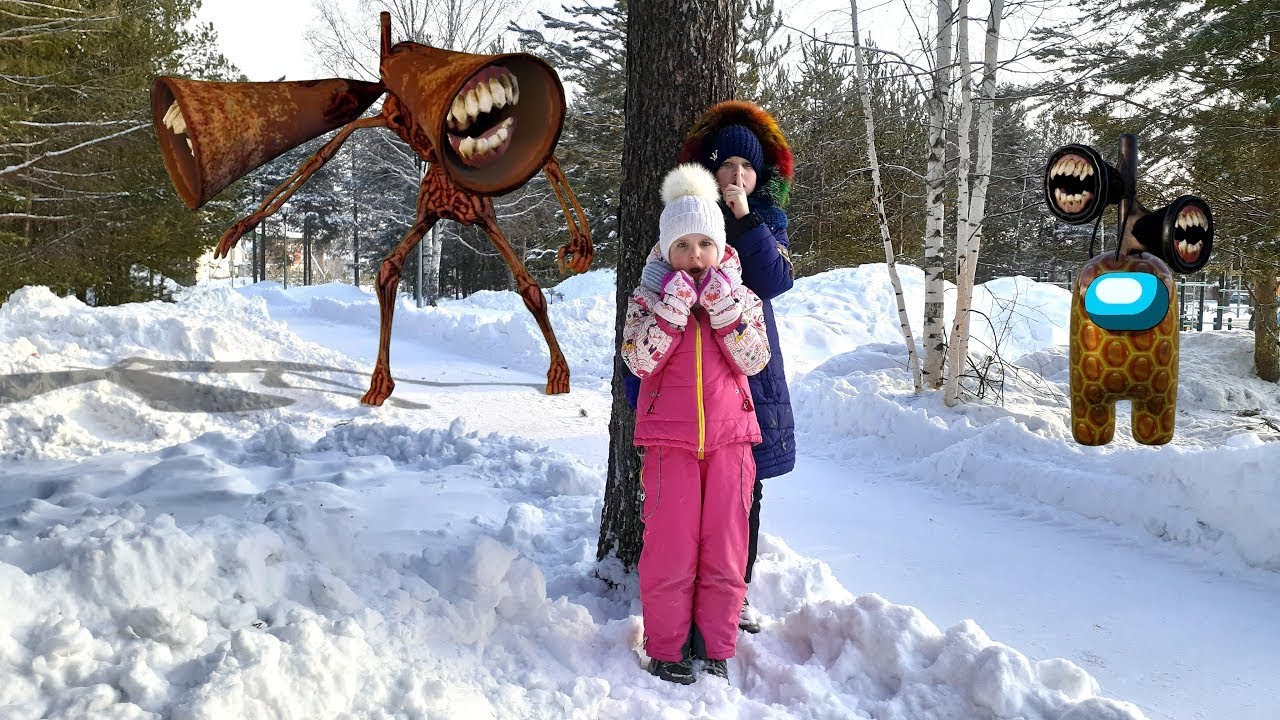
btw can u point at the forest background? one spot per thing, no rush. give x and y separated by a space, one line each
87 209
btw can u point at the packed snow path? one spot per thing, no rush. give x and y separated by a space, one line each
1152 621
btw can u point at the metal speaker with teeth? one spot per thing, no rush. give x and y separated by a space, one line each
1079 184
213 133
1181 233
494 120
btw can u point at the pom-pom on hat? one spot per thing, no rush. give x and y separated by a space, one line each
691 196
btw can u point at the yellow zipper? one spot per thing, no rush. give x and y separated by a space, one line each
697 364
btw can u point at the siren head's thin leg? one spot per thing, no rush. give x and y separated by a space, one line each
534 300
388 285
579 245
281 194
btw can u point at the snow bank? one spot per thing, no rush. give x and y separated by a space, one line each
185 368
492 325
1212 486
185 533
837 311
382 572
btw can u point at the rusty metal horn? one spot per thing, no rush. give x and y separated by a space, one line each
432 83
212 133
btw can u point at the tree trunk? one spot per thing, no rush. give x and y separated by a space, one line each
690 48
355 225
1266 342
435 249
934 305
904 321
964 153
260 249
969 240
306 253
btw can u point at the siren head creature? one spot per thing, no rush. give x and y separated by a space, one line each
1124 308
483 124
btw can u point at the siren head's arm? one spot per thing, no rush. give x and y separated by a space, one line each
280 195
384 22
579 245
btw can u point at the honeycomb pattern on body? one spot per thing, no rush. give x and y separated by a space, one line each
1111 365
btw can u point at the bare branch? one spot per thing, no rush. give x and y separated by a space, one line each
15 168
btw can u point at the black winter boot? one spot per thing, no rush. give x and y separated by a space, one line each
676 672
719 668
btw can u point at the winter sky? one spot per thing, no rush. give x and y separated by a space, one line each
267 40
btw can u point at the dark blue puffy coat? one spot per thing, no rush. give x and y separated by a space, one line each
766 270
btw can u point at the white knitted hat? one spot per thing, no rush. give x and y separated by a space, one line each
692 206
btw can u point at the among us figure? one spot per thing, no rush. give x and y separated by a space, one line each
1124 308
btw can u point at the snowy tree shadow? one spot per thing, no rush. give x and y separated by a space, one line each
146 378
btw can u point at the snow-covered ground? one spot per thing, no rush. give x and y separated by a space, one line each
199 520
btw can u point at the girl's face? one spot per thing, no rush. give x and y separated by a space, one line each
693 253
737 171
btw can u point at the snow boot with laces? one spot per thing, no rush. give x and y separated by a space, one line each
676 672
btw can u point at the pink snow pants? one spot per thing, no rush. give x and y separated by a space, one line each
695 546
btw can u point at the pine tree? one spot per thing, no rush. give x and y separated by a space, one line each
1197 82
85 203
588 50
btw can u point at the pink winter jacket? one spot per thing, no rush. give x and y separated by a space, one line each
693 384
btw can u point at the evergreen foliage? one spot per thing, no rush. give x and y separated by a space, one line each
86 206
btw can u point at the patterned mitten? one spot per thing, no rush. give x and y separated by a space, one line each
716 295
678 295
653 274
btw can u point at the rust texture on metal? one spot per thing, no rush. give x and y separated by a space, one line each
235 128
213 133
425 80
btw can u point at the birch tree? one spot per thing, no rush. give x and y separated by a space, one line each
934 305
971 210
878 194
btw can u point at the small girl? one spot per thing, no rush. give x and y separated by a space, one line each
692 344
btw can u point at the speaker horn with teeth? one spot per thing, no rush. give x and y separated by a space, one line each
1079 184
494 120
212 133
482 125
1180 233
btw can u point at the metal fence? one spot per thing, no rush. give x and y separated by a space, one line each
1223 298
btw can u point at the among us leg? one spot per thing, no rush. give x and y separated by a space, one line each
1153 421
558 373
1092 422
381 384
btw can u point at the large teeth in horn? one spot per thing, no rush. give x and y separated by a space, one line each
1188 251
174 120
473 107
1072 165
457 114
1191 218
492 90
1072 203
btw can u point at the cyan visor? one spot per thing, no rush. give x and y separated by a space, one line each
1126 301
